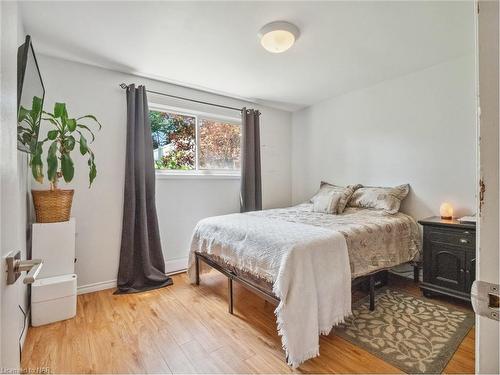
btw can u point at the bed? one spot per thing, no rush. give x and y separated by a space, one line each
372 241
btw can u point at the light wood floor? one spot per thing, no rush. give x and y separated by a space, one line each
186 329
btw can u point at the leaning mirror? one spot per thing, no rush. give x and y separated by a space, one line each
30 96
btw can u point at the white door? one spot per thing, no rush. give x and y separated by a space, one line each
487 330
12 198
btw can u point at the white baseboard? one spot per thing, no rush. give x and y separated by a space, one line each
171 267
176 265
95 287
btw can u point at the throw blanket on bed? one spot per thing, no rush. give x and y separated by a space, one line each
308 266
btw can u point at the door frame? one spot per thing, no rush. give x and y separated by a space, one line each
486 16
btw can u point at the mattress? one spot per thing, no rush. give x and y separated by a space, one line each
375 240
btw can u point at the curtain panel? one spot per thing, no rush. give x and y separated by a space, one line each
251 184
142 266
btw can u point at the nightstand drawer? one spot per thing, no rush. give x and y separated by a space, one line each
456 237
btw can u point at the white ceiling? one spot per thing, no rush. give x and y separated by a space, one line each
213 45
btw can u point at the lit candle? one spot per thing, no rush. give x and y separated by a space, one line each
446 211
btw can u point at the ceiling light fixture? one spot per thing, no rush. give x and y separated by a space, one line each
278 36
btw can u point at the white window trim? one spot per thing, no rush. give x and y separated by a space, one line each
188 112
197 173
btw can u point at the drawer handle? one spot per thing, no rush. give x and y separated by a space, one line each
463 240
466 232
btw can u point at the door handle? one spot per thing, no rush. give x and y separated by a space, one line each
33 267
15 266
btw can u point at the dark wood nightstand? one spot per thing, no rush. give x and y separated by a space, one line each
449 257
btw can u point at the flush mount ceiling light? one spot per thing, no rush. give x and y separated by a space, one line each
277 37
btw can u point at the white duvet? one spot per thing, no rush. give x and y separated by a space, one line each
308 266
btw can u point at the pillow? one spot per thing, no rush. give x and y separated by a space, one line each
345 194
387 199
326 202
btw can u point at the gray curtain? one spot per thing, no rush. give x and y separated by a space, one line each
142 266
251 186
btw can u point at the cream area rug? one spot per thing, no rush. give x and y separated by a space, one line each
414 334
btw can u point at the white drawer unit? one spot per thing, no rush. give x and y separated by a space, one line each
53 299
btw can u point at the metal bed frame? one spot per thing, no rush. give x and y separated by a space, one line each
371 279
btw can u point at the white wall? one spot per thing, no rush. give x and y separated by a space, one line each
417 129
181 202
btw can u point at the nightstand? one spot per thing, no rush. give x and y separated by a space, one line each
449 257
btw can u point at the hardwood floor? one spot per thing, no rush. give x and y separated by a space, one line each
187 329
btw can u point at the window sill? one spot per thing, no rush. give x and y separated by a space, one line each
196 176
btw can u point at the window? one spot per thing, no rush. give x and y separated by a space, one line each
194 143
219 145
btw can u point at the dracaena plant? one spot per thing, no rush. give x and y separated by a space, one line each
65 135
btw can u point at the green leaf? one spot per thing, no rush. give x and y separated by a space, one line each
67 167
90 117
36 105
92 168
36 109
71 123
39 148
52 134
63 124
59 110
23 114
69 143
37 169
52 162
52 120
83 145
92 173
88 129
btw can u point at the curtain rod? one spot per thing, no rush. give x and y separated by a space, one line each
124 86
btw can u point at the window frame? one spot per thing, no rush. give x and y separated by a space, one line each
196 172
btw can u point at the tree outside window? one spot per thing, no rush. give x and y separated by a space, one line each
176 147
219 145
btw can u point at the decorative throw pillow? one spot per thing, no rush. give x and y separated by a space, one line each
344 193
380 198
327 202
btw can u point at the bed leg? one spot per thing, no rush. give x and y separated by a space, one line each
384 279
372 292
230 294
197 269
416 273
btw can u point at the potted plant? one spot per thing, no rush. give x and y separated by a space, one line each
64 136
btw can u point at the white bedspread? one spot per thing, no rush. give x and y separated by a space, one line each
308 266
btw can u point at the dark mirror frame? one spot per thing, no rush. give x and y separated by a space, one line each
22 61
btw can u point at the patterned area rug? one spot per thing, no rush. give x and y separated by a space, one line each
411 333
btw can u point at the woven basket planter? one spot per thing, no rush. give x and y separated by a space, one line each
52 206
